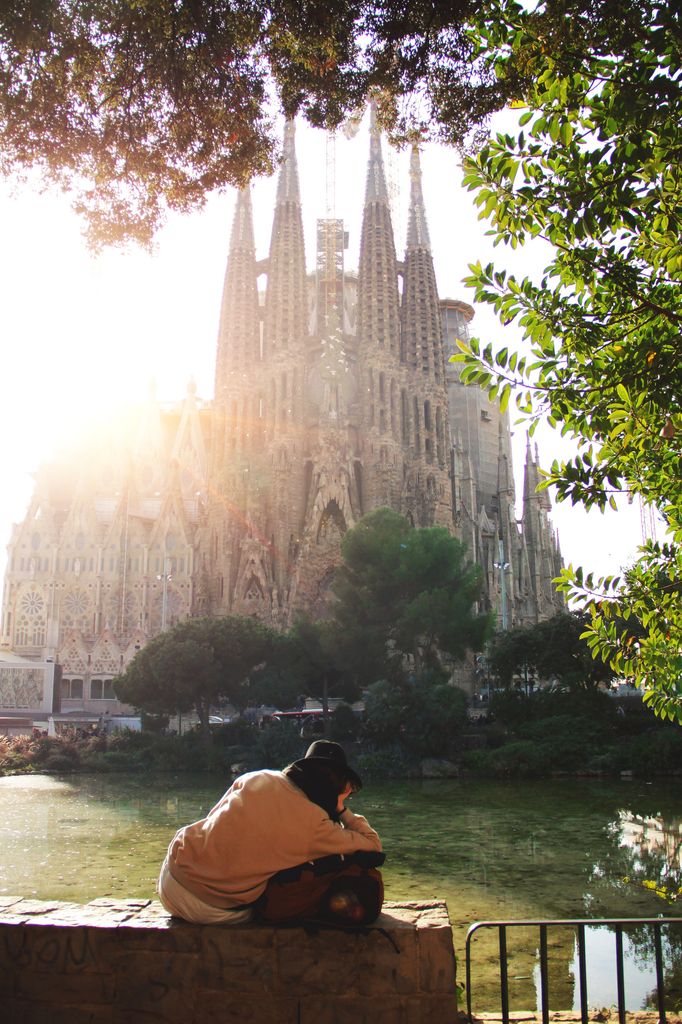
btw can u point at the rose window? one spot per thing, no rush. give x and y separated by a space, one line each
75 607
121 617
76 602
30 626
32 603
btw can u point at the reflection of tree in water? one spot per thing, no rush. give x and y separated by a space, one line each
657 844
550 849
642 944
646 855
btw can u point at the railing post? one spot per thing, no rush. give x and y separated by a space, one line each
504 983
582 973
620 978
660 989
544 983
468 973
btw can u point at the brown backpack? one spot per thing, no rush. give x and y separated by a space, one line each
328 890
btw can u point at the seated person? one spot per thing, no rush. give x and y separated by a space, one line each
217 870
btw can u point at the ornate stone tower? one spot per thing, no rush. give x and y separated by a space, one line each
484 505
381 372
542 555
428 486
342 408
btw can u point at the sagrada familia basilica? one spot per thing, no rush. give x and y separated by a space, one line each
334 395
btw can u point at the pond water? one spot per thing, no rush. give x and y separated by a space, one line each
555 849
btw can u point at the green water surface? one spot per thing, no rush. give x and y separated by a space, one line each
554 849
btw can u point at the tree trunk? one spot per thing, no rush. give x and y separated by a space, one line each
203 712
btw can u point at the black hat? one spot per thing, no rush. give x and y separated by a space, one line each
325 752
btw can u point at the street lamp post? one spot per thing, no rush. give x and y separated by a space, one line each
165 577
503 567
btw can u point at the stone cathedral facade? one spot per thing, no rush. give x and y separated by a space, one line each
333 396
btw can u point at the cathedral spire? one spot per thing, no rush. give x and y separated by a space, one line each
505 485
422 351
239 331
379 373
287 184
422 341
285 322
417 228
532 479
376 179
539 540
241 238
378 303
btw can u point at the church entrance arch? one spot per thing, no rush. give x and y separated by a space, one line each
332 523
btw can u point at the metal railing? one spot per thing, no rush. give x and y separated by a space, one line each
579 924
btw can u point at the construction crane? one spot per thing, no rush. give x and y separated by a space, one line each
647 519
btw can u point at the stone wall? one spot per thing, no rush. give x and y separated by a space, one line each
128 962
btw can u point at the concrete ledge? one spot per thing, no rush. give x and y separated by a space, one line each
128 962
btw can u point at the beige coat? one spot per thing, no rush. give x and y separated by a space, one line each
262 824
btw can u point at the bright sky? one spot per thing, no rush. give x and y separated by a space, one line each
82 335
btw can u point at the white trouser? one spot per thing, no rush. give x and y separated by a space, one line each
179 902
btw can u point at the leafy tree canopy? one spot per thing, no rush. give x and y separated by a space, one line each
144 105
424 716
274 686
405 591
320 660
553 649
197 664
595 171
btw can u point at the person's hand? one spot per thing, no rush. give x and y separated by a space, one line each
340 806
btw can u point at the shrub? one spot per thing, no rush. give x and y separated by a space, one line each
123 760
218 760
14 763
49 745
388 762
566 752
387 709
95 761
188 752
131 739
633 717
60 763
241 733
613 759
522 759
513 707
587 703
425 716
657 752
582 733
154 723
439 712
495 734
26 746
516 709
344 724
278 744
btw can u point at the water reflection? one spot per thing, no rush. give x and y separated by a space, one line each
557 849
655 848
